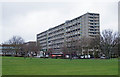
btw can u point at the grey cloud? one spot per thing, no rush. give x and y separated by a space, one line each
28 19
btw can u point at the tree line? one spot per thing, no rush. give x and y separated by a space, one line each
16 46
107 44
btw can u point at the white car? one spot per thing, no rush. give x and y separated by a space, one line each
102 57
67 56
47 56
81 57
37 56
88 56
75 57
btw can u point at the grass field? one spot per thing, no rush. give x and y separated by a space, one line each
37 66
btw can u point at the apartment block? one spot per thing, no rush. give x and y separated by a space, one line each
85 25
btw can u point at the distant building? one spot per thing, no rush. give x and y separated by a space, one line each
85 25
31 48
30 43
18 50
8 50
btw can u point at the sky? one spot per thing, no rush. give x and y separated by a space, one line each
27 19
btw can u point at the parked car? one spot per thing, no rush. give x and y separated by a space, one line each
88 56
75 57
102 57
67 56
37 56
82 57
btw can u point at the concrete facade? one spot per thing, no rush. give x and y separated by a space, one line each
85 25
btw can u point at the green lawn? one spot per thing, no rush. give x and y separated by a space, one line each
38 66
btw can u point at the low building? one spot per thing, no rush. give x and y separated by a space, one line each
25 49
9 50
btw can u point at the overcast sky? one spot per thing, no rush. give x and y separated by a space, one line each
27 19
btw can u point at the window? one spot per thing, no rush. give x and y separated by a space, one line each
91 26
91 20
91 29
91 23
97 24
90 17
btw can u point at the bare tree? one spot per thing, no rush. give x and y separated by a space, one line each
71 45
75 46
78 47
108 41
16 42
85 42
95 46
32 48
64 49
118 45
25 50
115 45
68 47
39 47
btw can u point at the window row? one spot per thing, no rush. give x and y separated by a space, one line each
73 25
94 32
55 36
56 40
93 26
73 30
93 29
94 23
60 30
57 44
77 35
